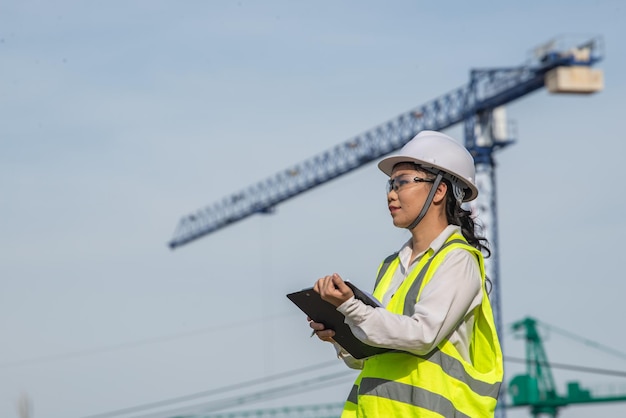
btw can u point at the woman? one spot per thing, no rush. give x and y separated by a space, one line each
437 318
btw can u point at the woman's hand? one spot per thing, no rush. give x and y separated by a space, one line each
319 329
333 289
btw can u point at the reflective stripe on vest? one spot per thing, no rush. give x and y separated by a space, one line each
446 384
402 392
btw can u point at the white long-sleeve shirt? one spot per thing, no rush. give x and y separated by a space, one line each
444 310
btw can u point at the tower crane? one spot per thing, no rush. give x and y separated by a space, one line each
564 70
479 105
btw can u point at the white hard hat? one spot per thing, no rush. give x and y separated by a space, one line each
434 150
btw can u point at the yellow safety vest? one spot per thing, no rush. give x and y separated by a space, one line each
440 383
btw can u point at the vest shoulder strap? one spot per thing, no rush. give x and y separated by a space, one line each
384 266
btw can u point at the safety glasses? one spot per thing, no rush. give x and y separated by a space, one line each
398 183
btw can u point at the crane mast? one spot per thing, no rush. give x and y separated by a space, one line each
486 133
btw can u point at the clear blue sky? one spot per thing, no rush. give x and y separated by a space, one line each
117 118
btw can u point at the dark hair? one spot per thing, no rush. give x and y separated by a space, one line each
457 215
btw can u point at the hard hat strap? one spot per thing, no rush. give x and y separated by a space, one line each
458 190
428 201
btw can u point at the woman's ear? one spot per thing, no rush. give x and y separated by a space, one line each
440 194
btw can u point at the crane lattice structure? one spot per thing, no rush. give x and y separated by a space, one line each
559 67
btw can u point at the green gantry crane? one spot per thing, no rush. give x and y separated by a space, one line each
536 388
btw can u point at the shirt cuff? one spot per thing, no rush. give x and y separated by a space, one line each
355 311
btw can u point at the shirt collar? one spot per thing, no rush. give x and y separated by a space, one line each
405 251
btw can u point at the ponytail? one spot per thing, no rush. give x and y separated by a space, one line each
457 215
